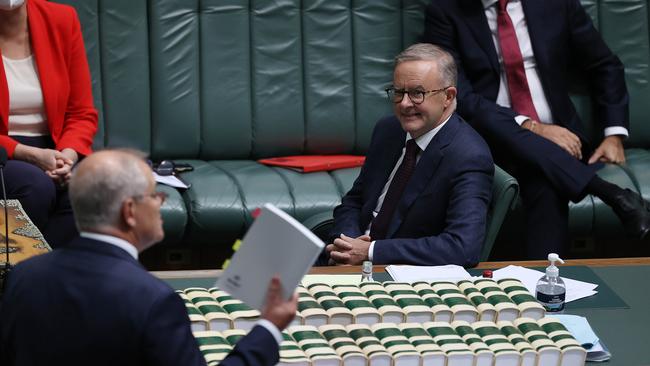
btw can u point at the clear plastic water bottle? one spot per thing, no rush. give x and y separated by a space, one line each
366 272
551 290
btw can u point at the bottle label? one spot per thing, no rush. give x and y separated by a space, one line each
552 303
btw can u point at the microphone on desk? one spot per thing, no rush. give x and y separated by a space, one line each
6 267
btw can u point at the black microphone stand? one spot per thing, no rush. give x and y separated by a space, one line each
6 267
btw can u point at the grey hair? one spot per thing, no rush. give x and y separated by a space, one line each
98 190
430 52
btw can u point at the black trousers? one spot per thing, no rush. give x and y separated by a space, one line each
548 177
46 203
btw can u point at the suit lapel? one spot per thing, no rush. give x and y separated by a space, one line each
537 20
474 15
424 171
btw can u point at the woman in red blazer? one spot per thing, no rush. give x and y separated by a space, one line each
47 116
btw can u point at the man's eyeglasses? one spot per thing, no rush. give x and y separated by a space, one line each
162 196
416 96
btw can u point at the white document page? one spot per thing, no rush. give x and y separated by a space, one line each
574 289
169 180
450 272
275 243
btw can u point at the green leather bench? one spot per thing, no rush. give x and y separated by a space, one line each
221 83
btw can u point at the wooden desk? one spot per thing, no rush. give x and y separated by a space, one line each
607 262
625 330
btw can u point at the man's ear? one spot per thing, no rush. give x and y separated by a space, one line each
450 95
128 212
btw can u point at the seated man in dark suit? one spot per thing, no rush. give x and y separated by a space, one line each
423 192
515 60
92 303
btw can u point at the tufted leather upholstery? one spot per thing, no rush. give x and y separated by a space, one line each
220 83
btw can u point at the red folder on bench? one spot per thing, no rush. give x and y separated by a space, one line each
315 163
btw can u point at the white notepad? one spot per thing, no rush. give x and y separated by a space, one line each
275 243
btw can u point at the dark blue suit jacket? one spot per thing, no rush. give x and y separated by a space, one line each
91 303
564 42
441 217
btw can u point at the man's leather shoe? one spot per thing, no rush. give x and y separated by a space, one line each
634 213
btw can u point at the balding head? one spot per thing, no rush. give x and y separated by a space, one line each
102 182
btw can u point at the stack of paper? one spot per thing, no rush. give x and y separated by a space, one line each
450 272
574 289
581 330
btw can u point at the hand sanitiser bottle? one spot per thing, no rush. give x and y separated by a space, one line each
366 272
551 290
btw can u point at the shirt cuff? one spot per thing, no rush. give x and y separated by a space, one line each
521 119
617 130
275 332
371 250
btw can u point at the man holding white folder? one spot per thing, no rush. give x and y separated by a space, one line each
92 302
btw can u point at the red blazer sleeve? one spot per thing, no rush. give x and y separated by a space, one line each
57 44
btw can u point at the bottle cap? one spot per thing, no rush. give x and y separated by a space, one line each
367 267
552 270
487 273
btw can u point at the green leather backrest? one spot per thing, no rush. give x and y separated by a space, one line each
238 79
241 79
624 26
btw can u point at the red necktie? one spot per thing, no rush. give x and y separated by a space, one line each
513 63
380 224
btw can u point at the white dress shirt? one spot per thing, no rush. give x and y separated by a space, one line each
422 141
113 240
26 106
516 13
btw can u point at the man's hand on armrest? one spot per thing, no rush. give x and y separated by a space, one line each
610 151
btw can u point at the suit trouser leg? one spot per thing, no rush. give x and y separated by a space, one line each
548 175
512 143
546 216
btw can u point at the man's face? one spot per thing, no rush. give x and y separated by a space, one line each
148 226
418 119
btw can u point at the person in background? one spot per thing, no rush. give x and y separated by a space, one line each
47 116
423 192
92 303
516 59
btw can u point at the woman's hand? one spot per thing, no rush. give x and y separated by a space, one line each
56 164
64 165
45 159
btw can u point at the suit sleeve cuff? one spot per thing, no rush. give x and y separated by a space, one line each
275 332
616 130
521 119
371 250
